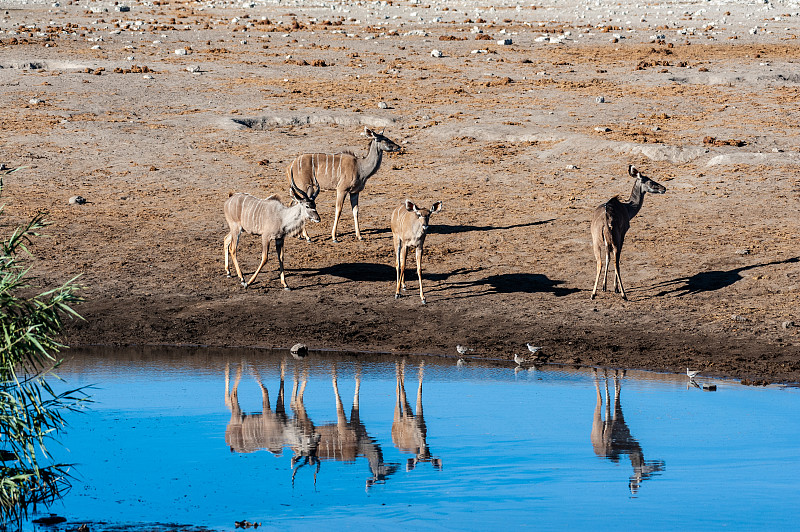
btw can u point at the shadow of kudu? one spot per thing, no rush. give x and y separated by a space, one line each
409 432
611 437
712 280
273 430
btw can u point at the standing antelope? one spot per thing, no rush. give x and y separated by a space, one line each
409 227
611 221
343 172
268 218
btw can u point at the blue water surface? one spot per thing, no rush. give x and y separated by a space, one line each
493 448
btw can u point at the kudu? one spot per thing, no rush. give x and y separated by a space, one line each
611 437
269 218
343 172
611 221
409 432
409 228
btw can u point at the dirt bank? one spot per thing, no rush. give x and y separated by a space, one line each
156 114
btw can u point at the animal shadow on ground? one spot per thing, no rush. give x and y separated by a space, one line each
372 272
443 229
511 283
710 281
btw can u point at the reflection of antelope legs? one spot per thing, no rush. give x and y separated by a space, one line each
247 433
611 438
303 436
409 432
346 440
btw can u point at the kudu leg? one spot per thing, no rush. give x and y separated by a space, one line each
234 246
338 213
418 253
226 249
279 250
397 251
354 205
264 253
597 277
605 275
618 277
403 256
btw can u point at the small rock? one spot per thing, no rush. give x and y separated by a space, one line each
35 101
147 76
383 105
656 129
505 42
181 51
602 129
299 351
710 387
743 252
736 317
77 200
122 9
571 167
436 53
194 69
600 99
788 324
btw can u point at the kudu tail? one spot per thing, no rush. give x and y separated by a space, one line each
608 227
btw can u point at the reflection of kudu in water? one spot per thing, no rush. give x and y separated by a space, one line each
409 432
346 440
612 438
272 430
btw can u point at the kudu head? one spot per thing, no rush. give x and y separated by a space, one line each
647 184
306 200
384 143
423 214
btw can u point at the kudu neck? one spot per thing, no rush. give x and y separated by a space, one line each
634 203
370 163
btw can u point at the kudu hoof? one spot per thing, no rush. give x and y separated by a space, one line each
228 275
244 284
397 296
424 302
287 289
308 239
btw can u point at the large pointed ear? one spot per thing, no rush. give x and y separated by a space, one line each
410 205
436 207
368 132
632 171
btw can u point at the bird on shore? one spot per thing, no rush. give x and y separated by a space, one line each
533 349
692 373
462 350
460 362
518 359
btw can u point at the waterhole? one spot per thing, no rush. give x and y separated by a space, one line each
206 439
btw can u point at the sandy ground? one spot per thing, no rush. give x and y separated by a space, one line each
524 124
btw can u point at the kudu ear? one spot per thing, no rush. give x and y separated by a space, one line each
368 132
632 171
436 207
410 206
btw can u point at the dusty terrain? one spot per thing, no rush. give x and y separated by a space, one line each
155 114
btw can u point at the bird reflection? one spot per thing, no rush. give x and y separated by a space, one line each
611 437
409 432
273 430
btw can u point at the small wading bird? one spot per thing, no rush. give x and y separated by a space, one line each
692 373
533 349
518 359
462 350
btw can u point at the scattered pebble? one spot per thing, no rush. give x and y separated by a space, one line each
572 167
742 251
181 51
788 324
602 129
77 200
383 105
35 101
505 42
600 99
736 317
436 53
194 69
